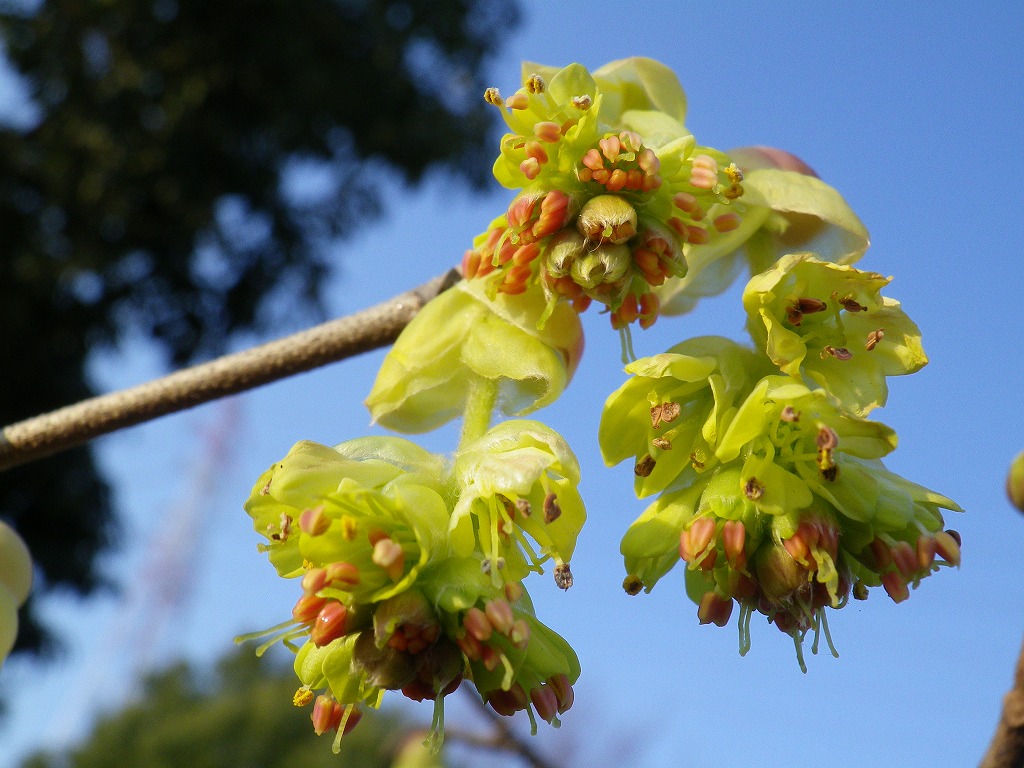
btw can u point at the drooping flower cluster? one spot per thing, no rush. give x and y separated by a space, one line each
772 489
401 591
15 585
612 188
767 473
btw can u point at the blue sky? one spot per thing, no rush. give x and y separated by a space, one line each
912 111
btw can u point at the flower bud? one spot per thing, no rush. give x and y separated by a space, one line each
1015 482
384 667
607 219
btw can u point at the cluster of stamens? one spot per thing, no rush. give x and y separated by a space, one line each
617 262
621 163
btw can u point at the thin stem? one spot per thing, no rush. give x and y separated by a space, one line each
335 340
480 400
1007 747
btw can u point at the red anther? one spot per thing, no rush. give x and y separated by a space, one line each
895 586
508 702
506 251
307 607
477 624
485 268
705 161
734 536
419 690
905 558
727 222
519 634
548 131
399 642
695 539
566 286
314 580
499 612
601 176
926 549
744 587
634 179
342 574
554 202
696 235
798 549
652 182
709 560
947 544
470 264
470 646
536 152
520 211
563 691
388 554
648 161
520 273
593 160
581 304
646 260
490 657
685 202
703 178
512 289
354 716
616 181
330 624
883 555
326 715
714 609
314 521
629 310
376 535
678 225
650 305
584 174
631 140
698 214
545 702
513 591
610 147
517 101
530 168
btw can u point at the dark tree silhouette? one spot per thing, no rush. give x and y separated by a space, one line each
240 717
154 191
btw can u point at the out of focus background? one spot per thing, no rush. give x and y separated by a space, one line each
183 178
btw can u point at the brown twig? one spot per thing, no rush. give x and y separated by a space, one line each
335 340
502 738
1007 747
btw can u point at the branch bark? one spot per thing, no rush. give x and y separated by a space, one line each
1007 747
345 337
502 738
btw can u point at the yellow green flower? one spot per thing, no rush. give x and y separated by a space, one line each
787 208
517 482
15 585
831 323
463 336
613 187
671 413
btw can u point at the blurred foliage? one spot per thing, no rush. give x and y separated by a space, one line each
184 168
240 717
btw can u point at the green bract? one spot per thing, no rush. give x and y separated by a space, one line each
319 505
516 481
462 335
671 413
830 322
786 208
15 585
797 512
